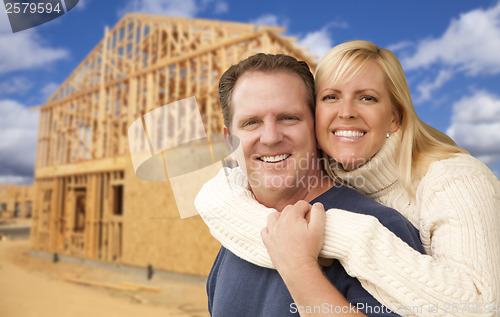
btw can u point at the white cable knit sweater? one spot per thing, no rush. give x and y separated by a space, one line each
456 209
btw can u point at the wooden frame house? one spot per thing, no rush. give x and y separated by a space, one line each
88 201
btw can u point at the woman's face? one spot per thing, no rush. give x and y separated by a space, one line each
352 120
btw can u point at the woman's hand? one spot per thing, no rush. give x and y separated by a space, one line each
294 244
292 241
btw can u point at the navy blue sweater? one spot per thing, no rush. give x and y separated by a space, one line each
237 288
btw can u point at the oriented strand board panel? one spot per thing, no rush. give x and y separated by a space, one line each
87 201
154 233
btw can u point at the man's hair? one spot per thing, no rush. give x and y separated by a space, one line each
263 63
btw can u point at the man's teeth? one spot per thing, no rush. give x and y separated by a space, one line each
349 134
274 159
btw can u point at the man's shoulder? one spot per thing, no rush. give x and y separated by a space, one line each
342 197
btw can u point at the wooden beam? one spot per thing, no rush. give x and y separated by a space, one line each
144 62
87 167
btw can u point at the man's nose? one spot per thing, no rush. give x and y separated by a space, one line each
271 134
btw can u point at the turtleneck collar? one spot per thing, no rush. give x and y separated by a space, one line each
379 173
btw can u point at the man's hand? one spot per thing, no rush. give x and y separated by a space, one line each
292 241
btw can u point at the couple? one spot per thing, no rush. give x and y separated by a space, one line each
373 141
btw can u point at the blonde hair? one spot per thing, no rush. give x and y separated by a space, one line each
420 144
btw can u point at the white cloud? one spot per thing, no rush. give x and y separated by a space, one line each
475 124
48 90
15 85
183 8
427 88
319 42
399 46
24 50
270 20
338 23
221 7
180 8
471 44
18 128
482 107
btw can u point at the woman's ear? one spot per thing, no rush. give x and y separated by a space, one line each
396 120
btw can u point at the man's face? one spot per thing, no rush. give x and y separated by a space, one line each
276 131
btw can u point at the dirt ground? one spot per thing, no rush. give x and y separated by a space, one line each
36 287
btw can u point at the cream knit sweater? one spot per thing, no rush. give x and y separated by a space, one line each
456 209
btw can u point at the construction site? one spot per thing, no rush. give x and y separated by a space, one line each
15 201
87 200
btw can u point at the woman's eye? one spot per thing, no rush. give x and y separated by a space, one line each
329 97
369 98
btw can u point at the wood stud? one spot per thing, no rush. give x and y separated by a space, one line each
144 62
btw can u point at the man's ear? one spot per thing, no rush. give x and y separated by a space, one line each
230 142
227 138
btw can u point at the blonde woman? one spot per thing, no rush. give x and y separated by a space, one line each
366 124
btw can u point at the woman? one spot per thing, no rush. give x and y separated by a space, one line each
366 123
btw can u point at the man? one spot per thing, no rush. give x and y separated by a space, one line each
268 104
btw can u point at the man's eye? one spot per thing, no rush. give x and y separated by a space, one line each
249 123
289 118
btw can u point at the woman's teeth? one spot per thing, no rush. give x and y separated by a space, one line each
349 134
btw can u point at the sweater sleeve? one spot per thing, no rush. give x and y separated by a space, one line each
459 210
233 216
460 216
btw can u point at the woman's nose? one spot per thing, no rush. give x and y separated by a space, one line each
347 110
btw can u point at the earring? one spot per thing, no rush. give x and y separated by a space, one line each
388 134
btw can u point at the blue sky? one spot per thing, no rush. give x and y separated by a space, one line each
450 50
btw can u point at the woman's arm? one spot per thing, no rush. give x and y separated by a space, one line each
461 212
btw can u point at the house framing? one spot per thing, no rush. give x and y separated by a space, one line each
87 200
15 201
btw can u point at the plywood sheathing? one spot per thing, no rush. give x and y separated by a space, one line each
83 163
